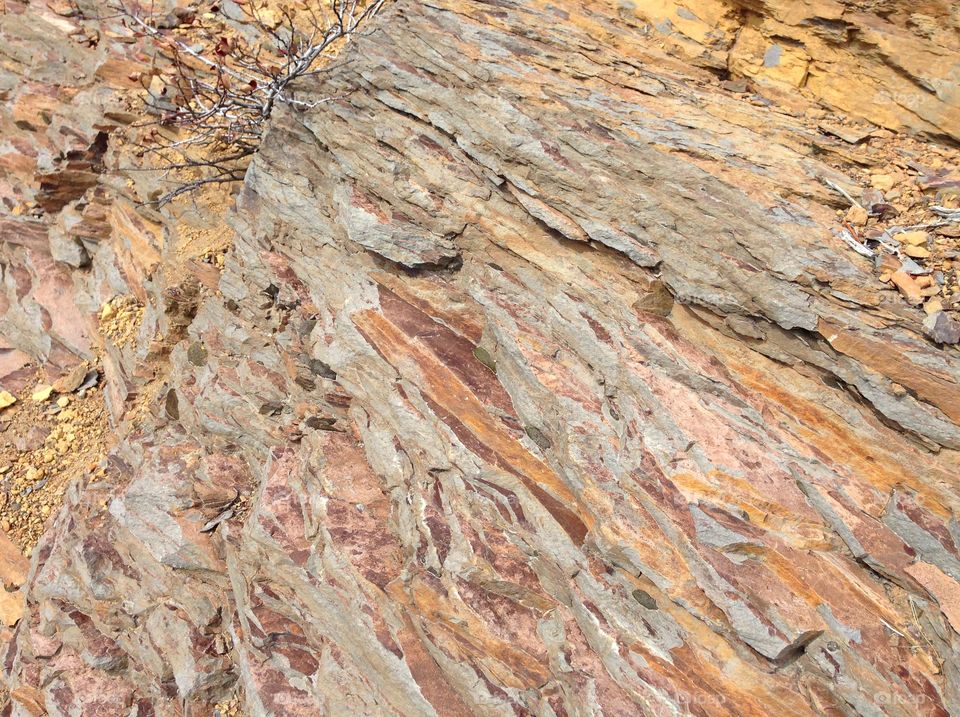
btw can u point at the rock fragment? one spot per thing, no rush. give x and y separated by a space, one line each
70 381
41 393
908 287
941 328
13 573
944 589
857 216
916 252
913 238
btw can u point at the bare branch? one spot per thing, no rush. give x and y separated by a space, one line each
219 94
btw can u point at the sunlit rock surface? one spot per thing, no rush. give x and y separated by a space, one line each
534 384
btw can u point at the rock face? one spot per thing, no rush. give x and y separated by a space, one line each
534 384
894 62
58 105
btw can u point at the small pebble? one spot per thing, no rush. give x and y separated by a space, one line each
857 216
913 238
41 393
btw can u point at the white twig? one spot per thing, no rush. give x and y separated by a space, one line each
855 245
224 107
841 191
951 215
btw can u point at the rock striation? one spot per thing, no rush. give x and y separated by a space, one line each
59 104
895 63
533 384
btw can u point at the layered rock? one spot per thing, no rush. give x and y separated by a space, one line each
897 63
534 383
61 93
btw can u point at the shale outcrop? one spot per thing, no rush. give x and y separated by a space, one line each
892 62
538 378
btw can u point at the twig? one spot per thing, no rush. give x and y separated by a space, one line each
841 191
223 97
916 227
846 236
951 215
893 629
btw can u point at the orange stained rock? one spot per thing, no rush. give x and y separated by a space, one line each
462 630
460 407
936 388
871 466
944 589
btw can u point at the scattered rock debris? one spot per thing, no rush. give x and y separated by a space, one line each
766 540
907 220
232 707
46 442
120 319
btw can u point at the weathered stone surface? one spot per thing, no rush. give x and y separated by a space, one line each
895 63
13 574
55 120
941 328
532 385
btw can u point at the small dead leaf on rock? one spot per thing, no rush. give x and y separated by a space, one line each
884 210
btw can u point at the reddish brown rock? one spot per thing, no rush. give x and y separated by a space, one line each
533 384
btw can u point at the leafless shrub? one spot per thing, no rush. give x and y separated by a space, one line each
222 86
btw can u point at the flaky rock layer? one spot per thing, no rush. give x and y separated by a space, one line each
534 383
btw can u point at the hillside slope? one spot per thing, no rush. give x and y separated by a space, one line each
537 380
